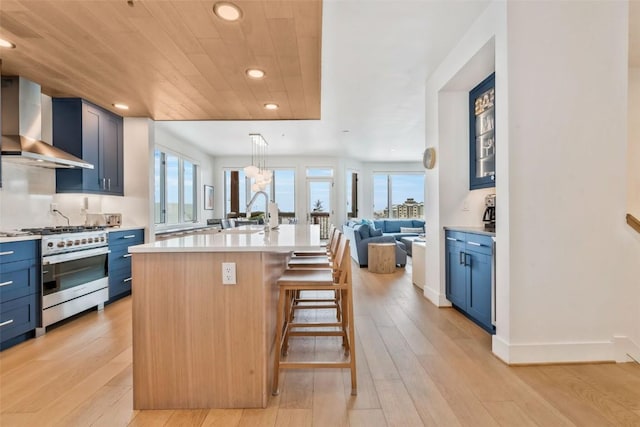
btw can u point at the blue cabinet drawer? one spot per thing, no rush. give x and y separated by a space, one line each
129 237
119 283
455 236
18 279
17 317
18 251
119 258
479 243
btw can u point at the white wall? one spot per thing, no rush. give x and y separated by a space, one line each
633 156
577 254
567 281
633 182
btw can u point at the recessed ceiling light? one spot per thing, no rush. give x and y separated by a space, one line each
271 106
7 44
121 106
255 73
227 11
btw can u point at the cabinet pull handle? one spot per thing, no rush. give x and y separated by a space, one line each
129 236
6 283
451 238
461 258
6 253
8 322
128 279
467 264
109 183
126 255
474 243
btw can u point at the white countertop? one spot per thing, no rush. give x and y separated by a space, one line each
125 228
467 229
247 238
38 236
19 238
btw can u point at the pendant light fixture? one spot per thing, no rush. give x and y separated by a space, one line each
258 171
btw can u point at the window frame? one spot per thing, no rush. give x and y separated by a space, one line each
389 179
249 193
164 153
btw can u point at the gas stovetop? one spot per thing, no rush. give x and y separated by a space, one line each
45 231
57 240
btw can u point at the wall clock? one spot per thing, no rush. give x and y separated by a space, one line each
429 158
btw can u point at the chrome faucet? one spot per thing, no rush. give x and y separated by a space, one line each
266 207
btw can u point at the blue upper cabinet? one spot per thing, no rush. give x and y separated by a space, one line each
482 137
95 135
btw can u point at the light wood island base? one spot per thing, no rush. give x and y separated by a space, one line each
198 343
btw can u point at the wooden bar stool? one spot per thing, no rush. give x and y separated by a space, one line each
300 300
321 261
320 251
339 280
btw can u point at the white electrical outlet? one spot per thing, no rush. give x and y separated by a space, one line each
228 273
53 207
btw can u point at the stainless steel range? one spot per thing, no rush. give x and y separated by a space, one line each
74 271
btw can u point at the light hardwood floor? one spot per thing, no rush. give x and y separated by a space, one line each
417 365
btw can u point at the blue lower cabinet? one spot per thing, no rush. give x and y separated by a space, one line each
19 291
456 288
120 261
479 288
119 283
17 317
119 258
469 267
18 279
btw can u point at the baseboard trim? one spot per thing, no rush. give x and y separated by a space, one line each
626 350
500 348
436 298
570 352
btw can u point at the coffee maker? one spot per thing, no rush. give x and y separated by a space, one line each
489 216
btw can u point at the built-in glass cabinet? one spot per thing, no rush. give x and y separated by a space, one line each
482 136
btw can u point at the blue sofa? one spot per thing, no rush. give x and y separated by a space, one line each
393 227
359 236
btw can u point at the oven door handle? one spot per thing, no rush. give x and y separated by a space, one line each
71 256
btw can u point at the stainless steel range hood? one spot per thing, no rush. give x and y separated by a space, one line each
22 128
26 150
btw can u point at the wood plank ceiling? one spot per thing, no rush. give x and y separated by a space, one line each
170 59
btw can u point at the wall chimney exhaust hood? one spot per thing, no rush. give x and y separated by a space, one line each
22 128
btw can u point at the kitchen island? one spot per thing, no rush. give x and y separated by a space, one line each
199 343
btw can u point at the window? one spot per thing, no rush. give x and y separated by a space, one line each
284 191
238 192
319 172
397 195
159 199
175 189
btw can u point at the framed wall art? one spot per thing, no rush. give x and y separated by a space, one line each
208 197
